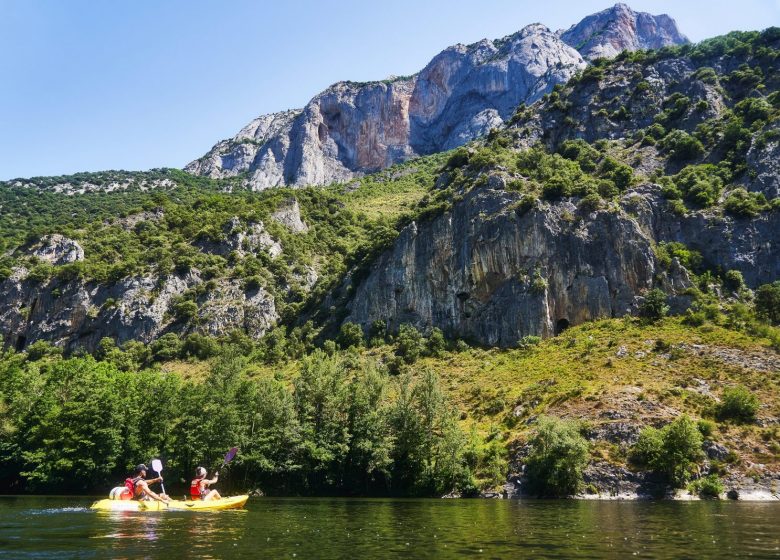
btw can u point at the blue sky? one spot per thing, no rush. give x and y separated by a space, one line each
90 85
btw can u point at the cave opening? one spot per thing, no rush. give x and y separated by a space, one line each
21 342
561 326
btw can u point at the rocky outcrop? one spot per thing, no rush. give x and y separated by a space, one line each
57 249
619 28
492 272
289 215
231 157
353 128
77 315
241 239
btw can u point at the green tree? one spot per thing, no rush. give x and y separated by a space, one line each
558 456
654 306
768 302
72 436
738 403
410 343
351 335
673 450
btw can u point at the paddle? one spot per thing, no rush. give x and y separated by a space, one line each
158 467
229 456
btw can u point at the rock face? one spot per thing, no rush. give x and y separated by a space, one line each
355 128
486 273
619 28
77 315
57 249
492 274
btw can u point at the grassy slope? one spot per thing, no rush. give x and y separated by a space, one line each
671 367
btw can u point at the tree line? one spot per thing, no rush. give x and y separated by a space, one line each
341 427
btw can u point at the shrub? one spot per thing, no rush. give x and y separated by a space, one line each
700 184
743 204
654 306
681 146
41 349
738 403
733 280
591 202
351 335
768 302
706 427
672 451
185 310
529 342
706 74
200 346
410 343
437 344
689 258
167 347
558 455
708 487
753 109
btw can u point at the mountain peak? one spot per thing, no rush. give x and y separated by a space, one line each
619 28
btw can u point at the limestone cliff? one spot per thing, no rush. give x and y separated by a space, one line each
355 128
620 28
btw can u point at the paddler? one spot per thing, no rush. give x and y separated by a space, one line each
199 487
139 486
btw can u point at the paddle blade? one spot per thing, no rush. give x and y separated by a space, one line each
230 454
157 465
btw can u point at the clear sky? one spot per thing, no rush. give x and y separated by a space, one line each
134 84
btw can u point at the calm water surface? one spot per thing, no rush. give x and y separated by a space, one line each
42 527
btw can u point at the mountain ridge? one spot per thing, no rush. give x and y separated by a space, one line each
463 92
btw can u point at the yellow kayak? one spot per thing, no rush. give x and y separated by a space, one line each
232 502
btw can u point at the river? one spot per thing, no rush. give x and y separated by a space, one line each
49 527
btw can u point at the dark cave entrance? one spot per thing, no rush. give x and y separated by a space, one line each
21 342
561 326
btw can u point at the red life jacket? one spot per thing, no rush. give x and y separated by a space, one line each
195 490
130 484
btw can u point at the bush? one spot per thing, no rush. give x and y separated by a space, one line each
700 184
738 403
437 343
708 487
654 306
528 342
351 335
743 204
768 302
410 343
558 455
167 347
681 146
185 310
733 280
672 451
706 427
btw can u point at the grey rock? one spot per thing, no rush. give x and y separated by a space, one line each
289 215
78 315
57 249
471 272
611 31
354 128
763 159
715 451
